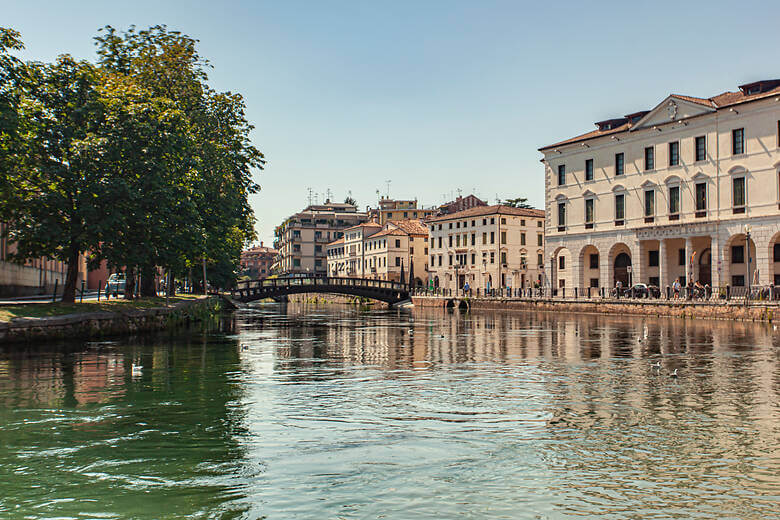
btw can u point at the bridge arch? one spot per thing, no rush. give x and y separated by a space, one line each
386 291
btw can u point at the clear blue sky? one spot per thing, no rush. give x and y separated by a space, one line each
432 95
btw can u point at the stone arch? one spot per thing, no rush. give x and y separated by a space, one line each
774 259
561 275
589 275
619 258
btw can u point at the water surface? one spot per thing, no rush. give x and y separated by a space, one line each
330 412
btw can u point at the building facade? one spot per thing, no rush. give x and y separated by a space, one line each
488 247
395 251
460 204
670 193
256 261
394 210
301 238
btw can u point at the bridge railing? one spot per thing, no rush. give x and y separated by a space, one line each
338 281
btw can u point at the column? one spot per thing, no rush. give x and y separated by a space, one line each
688 253
717 261
604 271
762 259
637 263
663 267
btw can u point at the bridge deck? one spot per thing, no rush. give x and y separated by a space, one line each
390 292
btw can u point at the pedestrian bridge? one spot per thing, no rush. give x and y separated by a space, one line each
253 290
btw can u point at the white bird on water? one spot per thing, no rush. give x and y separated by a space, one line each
136 370
674 374
657 365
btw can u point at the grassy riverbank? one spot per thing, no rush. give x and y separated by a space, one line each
46 310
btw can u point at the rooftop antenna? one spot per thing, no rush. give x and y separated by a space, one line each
310 195
460 192
330 194
388 188
378 195
498 201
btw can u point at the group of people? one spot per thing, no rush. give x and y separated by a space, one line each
693 290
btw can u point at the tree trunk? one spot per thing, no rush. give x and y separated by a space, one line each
148 281
130 283
71 277
171 284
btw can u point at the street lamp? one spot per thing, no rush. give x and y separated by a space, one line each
747 249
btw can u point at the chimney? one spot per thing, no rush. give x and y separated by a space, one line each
261 243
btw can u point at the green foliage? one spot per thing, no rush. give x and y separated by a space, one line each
520 202
133 160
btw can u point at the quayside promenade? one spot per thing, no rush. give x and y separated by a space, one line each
763 303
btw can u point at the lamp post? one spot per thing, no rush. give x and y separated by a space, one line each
747 249
484 274
552 273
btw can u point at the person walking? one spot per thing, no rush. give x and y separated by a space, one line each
676 288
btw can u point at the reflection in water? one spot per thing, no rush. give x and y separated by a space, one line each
328 412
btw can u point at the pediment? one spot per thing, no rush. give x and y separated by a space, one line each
673 108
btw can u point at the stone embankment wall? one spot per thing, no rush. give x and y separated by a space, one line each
102 324
675 309
335 298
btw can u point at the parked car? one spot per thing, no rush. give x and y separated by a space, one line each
116 283
642 290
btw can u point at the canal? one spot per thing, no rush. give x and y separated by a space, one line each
330 412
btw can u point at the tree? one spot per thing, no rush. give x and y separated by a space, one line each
49 195
350 200
520 202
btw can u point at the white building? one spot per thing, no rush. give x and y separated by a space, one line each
381 252
667 194
488 247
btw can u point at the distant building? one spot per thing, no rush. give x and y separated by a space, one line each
488 247
460 204
393 210
381 252
256 261
301 238
35 275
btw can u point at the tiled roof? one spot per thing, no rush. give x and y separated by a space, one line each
389 232
412 227
364 224
336 242
723 100
496 209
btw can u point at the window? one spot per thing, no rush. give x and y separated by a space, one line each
776 252
473 223
649 205
439 242
561 174
674 153
539 259
674 202
406 214
681 256
561 263
649 158
588 213
473 239
296 262
397 261
561 216
522 222
522 239
492 221
473 258
484 222
738 141
701 148
503 237
440 260
588 170
701 199
457 225
594 282
450 260
594 261
619 164
652 258
737 254
503 221
457 241
492 237
492 258
738 280
738 194
450 240
389 215
503 257
484 238
620 209
539 239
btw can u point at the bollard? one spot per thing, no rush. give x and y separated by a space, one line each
575 293
54 296
100 288
728 293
